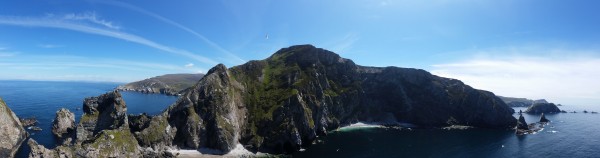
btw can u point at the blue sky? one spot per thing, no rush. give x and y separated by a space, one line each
524 48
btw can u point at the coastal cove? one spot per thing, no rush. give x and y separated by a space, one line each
573 134
41 99
568 135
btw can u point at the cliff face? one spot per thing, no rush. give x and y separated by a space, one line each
521 102
12 133
169 84
283 102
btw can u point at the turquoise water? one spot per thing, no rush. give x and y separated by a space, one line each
41 99
568 135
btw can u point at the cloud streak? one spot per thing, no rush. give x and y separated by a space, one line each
564 79
178 25
68 25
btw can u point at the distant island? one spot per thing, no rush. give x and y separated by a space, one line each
277 105
169 84
521 102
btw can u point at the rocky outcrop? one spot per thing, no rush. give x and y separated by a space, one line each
103 131
282 103
63 125
521 124
26 122
543 118
105 112
12 133
169 84
539 108
39 151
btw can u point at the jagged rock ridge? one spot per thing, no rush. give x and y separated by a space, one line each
169 84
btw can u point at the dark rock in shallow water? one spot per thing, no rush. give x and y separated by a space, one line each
539 108
543 118
12 133
585 111
282 103
563 111
26 122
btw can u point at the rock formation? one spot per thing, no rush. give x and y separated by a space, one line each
63 125
543 118
26 122
539 108
39 151
12 133
169 84
103 131
283 102
521 124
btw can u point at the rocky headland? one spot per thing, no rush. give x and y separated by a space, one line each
539 108
169 84
282 103
12 133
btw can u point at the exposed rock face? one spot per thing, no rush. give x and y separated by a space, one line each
103 130
12 133
539 108
39 151
63 125
543 118
170 84
283 102
105 112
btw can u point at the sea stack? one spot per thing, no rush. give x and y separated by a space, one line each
543 118
521 124
12 133
63 125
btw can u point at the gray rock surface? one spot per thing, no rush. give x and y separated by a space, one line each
12 133
39 151
539 108
63 125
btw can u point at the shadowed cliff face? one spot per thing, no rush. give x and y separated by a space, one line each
283 102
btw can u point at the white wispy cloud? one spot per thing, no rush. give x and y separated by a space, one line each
91 17
62 24
189 65
563 76
235 59
345 43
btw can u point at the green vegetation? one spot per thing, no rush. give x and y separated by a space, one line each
112 141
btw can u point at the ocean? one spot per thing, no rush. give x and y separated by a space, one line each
568 135
41 99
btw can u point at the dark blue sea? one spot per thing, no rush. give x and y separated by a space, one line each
41 99
574 135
